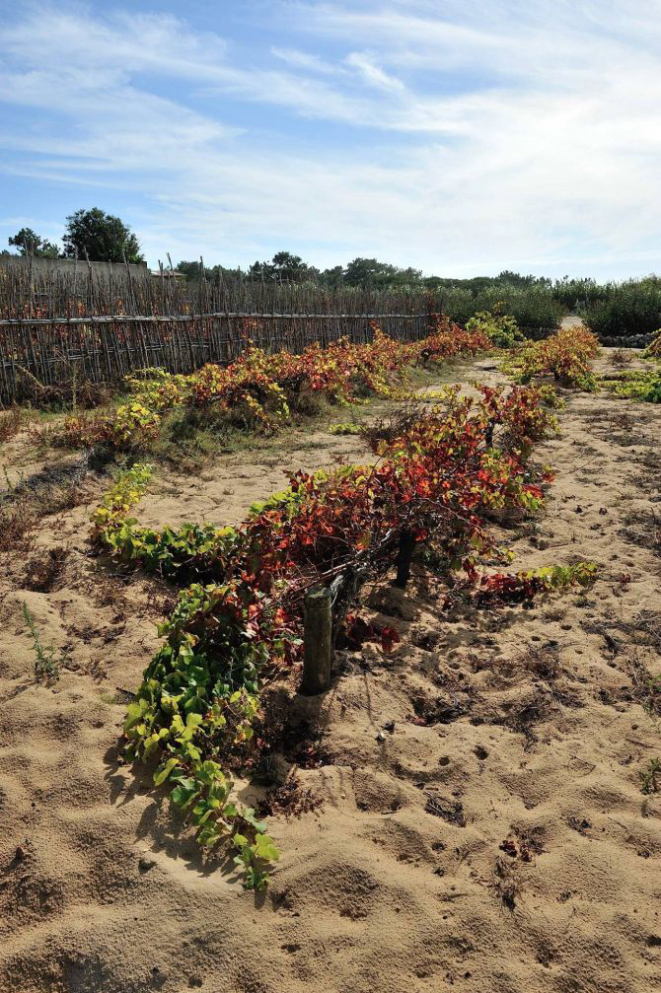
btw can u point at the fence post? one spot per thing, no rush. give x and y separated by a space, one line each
318 641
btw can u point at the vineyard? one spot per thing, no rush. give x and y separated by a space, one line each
90 324
473 799
99 323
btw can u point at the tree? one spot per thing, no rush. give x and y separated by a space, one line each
100 236
332 277
291 268
28 242
371 272
363 272
283 268
516 279
193 270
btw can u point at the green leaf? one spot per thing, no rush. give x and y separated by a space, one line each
164 771
184 793
209 835
249 816
135 712
265 848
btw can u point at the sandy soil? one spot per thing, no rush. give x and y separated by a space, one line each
478 821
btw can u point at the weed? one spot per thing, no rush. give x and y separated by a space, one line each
49 492
650 777
70 396
348 428
652 698
621 358
47 658
10 422
506 882
290 799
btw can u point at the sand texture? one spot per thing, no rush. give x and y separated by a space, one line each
476 822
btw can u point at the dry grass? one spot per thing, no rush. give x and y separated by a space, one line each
621 358
507 883
11 422
45 493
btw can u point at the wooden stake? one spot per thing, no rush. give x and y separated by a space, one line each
404 556
318 641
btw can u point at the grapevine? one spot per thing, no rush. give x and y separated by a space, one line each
261 391
440 482
565 356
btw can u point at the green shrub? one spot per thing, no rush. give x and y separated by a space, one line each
578 295
653 392
638 385
531 307
629 308
501 330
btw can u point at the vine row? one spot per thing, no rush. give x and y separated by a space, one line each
440 482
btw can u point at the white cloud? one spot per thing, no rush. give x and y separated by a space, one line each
304 60
372 73
502 134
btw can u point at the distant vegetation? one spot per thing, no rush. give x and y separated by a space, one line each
629 308
91 234
531 300
28 242
611 310
101 237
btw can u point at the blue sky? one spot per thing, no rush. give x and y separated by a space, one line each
458 136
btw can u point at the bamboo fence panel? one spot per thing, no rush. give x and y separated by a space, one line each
97 322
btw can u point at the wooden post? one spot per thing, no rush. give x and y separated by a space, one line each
404 556
318 641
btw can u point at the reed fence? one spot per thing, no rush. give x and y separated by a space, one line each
97 322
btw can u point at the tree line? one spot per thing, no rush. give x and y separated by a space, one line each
101 237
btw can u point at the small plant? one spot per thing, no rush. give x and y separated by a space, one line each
254 857
652 698
507 882
501 329
644 386
47 658
349 428
650 778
